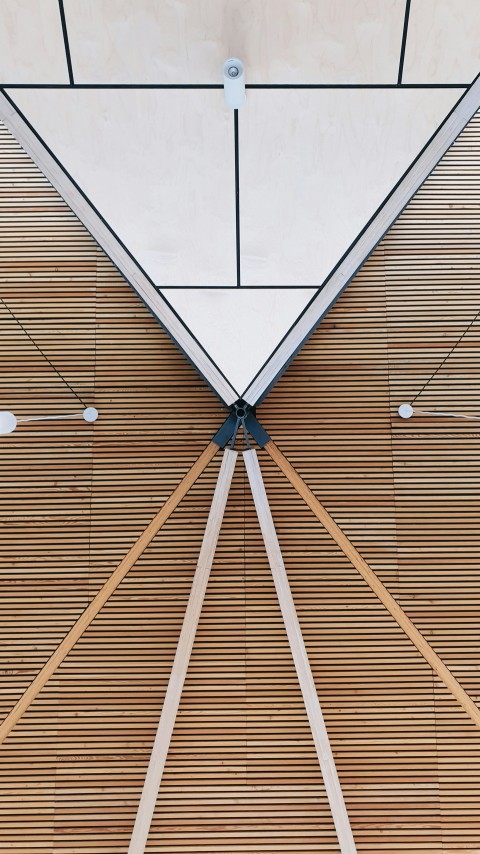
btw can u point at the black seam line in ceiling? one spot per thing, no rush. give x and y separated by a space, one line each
65 41
244 287
247 85
404 42
237 197
127 251
298 345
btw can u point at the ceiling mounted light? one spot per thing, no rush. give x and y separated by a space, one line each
234 82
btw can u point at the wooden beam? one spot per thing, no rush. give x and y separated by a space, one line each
375 584
365 243
106 591
173 695
300 657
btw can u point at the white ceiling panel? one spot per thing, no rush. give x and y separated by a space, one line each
239 328
31 42
158 166
286 41
443 44
314 167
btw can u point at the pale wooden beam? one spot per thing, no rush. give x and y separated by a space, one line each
300 657
182 657
375 584
106 591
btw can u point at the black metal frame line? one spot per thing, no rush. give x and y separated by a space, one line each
65 41
404 42
237 196
247 85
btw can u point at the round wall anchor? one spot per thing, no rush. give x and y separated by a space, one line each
8 422
90 414
405 410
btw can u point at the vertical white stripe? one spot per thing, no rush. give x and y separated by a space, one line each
300 657
166 724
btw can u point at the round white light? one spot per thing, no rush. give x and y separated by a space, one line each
8 422
405 410
90 414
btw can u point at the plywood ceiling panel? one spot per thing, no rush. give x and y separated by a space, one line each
279 40
443 44
316 165
238 328
157 165
31 42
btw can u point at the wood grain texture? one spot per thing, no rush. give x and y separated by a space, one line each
113 246
368 239
375 584
106 591
181 661
299 655
242 775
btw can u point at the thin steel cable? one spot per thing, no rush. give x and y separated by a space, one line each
245 433
41 351
234 435
462 336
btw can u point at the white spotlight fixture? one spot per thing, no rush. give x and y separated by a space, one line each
405 410
8 421
234 82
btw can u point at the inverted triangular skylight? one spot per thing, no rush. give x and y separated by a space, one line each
152 175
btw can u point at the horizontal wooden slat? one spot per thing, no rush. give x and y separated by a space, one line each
242 774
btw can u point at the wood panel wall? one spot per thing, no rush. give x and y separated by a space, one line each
242 775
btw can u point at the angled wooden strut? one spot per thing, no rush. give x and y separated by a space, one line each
182 657
374 583
300 657
108 588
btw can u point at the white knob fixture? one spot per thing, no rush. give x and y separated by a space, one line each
90 414
8 422
405 410
234 82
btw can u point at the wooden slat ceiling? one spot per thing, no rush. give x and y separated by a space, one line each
241 775
193 205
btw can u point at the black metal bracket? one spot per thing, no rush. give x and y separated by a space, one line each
256 430
241 412
223 436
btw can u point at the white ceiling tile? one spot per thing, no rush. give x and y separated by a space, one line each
314 167
443 43
239 328
31 42
159 167
286 41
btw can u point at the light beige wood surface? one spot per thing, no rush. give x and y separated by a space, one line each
181 661
242 774
113 247
375 584
378 225
300 657
106 591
